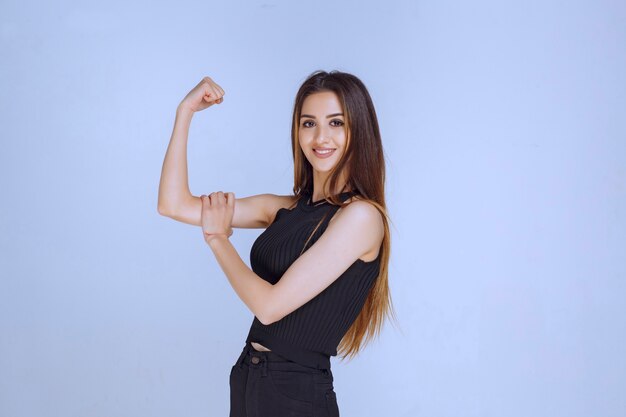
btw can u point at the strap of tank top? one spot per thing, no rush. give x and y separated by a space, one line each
348 195
343 198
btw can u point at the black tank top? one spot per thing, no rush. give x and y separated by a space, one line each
310 334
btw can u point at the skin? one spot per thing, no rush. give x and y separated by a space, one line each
354 232
321 131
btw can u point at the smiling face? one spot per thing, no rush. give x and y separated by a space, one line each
322 134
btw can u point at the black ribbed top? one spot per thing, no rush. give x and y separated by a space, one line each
310 334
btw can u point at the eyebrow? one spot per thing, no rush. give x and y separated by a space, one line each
330 115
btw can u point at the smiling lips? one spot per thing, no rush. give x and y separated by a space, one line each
323 152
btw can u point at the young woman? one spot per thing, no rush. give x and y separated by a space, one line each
318 282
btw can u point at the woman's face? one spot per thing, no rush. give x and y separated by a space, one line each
322 133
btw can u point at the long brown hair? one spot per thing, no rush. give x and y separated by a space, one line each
364 161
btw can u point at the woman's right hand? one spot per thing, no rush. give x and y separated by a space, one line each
203 95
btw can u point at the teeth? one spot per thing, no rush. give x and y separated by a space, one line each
323 150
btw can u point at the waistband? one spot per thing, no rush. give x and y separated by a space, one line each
273 361
285 349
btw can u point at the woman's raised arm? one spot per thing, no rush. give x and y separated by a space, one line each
175 198
174 185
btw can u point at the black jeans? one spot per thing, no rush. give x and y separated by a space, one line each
264 384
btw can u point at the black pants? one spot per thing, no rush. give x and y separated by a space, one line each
264 384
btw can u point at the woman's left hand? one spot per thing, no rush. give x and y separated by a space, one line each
217 214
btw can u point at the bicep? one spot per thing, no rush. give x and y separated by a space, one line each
250 212
258 211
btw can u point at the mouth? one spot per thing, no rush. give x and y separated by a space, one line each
323 152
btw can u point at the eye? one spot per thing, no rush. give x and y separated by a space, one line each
337 123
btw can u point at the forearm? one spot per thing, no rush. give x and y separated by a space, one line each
174 184
253 290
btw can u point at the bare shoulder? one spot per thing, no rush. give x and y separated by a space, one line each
362 214
361 208
275 202
284 201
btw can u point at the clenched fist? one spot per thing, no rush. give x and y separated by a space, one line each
203 95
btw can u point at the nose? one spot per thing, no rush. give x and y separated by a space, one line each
322 135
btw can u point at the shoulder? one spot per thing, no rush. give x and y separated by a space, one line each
361 210
361 214
274 202
277 201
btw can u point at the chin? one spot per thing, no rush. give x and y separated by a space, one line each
324 167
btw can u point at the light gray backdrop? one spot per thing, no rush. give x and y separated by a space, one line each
504 125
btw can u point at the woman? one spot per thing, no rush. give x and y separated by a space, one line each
318 283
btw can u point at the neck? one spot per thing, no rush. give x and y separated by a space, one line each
319 194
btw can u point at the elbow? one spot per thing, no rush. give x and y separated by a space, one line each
163 210
267 318
264 322
266 307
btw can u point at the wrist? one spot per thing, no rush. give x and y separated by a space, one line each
209 238
184 111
